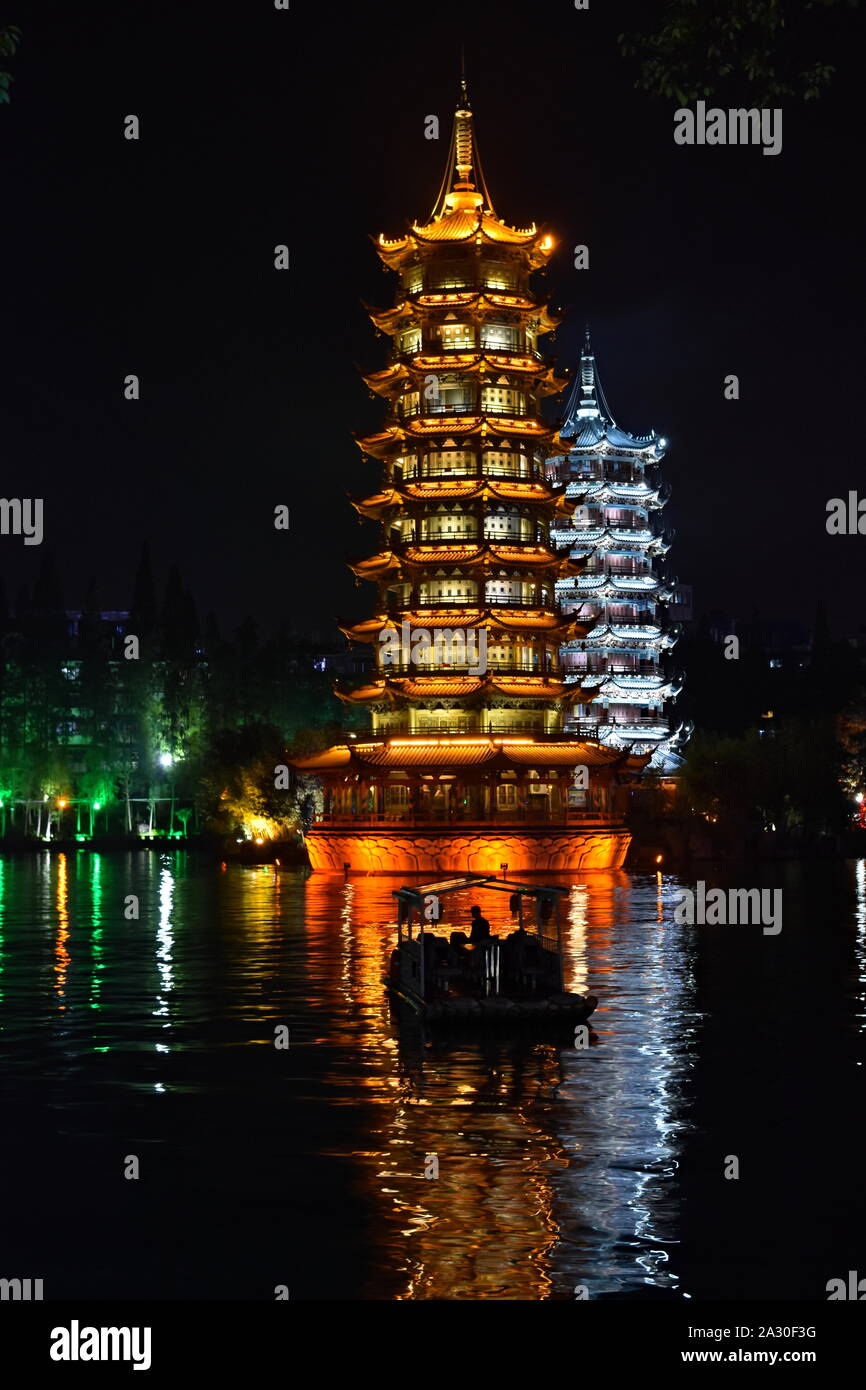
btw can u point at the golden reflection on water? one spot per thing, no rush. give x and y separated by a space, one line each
488 1226
61 953
483 1227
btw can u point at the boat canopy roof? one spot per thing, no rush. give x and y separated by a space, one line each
455 885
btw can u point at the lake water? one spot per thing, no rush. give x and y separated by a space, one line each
153 1040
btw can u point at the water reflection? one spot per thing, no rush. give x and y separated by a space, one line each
164 958
860 925
554 1164
97 963
2 944
61 953
558 1167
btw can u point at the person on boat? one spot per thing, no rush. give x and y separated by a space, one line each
480 926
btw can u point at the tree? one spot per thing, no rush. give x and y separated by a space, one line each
756 50
238 781
788 781
852 736
10 37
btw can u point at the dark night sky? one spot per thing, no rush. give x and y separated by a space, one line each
306 127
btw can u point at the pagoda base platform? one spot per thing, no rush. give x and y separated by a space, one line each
466 849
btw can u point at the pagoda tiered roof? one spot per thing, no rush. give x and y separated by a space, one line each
395 690
391 380
389 564
588 421
600 491
393 498
592 587
394 437
463 211
477 302
530 620
494 754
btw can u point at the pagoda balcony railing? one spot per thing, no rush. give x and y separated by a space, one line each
476 408
463 533
440 728
491 600
440 601
639 721
454 285
473 601
509 350
463 474
620 572
600 668
607 475
603 524
501 819
476 537
462 668
433 348
449 538
466 284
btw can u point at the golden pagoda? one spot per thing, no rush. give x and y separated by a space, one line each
466 766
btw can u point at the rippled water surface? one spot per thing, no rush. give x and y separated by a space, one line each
153 1040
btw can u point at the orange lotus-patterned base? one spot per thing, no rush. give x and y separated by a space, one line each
465 851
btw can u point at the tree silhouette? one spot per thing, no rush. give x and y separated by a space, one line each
10 37
754 50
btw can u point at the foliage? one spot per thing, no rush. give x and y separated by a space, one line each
238 782
852 737
760 49
10 37
77 719
788 780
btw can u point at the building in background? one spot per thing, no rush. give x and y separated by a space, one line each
622 591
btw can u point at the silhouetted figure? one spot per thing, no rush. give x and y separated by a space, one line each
480 926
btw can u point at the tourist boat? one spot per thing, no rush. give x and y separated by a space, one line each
508 980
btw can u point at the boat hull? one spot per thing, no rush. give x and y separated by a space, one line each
560 1010
530 850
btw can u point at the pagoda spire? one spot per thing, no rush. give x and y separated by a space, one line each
463 184
587 400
